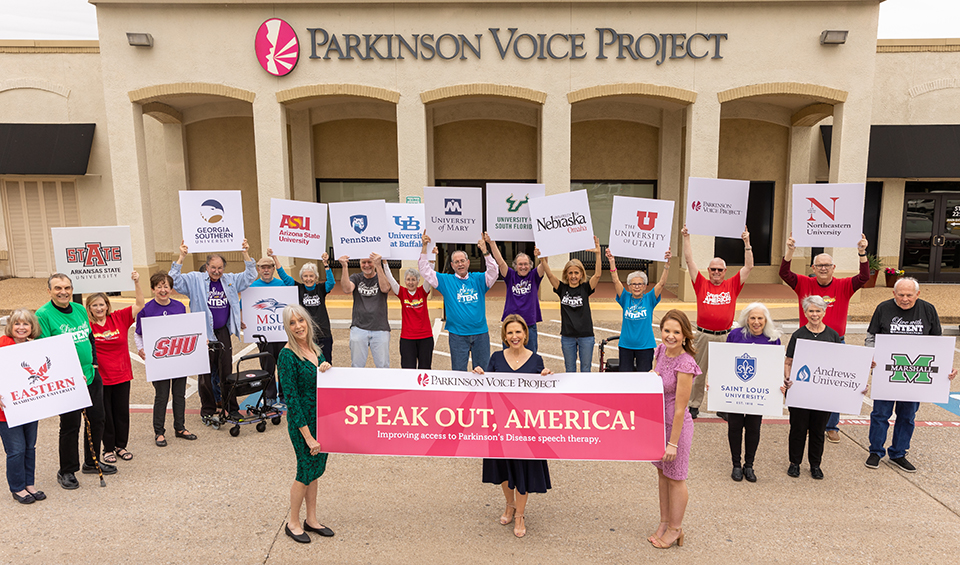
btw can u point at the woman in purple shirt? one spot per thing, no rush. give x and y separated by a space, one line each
523 289
754 326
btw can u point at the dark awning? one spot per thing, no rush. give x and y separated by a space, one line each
45 149
931 151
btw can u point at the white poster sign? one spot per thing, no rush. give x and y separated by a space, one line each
405 223
828 215
640 227
211 220
454 214
359 228
508 216
829 376
562 223
717 207
261 309
175 346
298 229
745 378
97 259
912 368
41 378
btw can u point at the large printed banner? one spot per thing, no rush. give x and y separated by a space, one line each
717 207
359 229
41 378
829 376
175 346
298 229
640 227
508 216
405 223
261 309
828 215
562 223
500 415
97 259
211 220
913 368
454 214
745 378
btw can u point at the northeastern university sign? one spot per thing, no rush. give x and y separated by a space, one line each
276 43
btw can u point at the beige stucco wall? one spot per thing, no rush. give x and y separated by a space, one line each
919 87
614 150
355 149
485 149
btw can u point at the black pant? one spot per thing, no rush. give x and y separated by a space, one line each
116 408
737 424
161 393
326 347
805 422
636 360
416 353
70 430
270 365
221 363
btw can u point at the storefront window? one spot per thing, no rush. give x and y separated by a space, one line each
600 196
332 190
760 224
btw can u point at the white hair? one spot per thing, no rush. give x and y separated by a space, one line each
636 274
916 283
813 300
309 268
769 330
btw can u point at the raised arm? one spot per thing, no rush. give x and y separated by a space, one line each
658 289
688 254
330 281
786 273
245 249
138 305
249 269
545 265
497 256
394 285
381 276
345 283
617 285
598 263
863 277
747 256
492 269
536 258
426 269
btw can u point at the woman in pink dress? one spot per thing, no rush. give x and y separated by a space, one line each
674 363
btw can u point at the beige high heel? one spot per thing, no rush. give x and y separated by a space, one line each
660 544
517 530
503 519
654 535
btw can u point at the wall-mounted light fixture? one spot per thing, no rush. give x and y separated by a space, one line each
830 37
146 40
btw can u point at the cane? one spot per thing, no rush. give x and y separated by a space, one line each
96 462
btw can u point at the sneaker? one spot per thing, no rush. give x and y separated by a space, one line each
694 412
67 480
749 475
793 470
816 473
105 468
903 464
873 461
737 474
833 436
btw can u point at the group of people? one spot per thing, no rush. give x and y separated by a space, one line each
100 337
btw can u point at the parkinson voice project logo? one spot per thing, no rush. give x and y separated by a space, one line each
277 47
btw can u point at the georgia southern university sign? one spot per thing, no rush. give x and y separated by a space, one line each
275 52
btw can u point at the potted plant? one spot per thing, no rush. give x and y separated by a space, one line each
875 266
892 275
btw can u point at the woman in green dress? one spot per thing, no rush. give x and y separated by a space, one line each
297 369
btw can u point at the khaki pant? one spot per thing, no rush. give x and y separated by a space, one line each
701 341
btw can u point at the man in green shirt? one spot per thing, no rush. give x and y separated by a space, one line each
60 316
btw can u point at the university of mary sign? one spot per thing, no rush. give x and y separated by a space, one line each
277 45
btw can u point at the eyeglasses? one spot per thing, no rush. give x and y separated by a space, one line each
822 266
638 284
717 270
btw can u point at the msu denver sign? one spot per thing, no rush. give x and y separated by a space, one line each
277 45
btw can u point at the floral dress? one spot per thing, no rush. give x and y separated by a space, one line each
668 368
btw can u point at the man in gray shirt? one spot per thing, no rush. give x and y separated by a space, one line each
369 327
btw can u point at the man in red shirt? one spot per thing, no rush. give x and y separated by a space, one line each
716 306
835 292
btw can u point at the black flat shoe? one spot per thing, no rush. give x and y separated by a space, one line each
793 470
816 473
322 530
749 475
161 442
68 481
183 434
737 474
105 468
29 499
299 538
38 495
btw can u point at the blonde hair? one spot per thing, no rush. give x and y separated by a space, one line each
23 315
514 319
91 298
573 264
298 311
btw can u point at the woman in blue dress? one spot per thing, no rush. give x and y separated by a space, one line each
517 477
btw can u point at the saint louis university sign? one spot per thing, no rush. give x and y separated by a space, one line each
277 45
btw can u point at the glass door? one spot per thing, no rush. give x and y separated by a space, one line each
931 234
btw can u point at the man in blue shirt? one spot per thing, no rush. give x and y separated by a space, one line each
266 268
464 303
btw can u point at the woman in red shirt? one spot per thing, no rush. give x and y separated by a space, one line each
416 333
20 442
110 331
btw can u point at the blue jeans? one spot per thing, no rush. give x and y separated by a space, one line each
20 444
834 420
569 346
531 339
461 346
902 429
378 342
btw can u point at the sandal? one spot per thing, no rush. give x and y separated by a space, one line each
109 457
655 536
660 544
122 453
520 528
505 519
